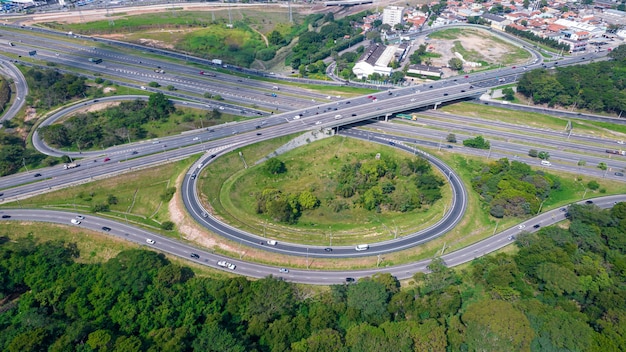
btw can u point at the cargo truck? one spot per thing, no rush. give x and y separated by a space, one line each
70 166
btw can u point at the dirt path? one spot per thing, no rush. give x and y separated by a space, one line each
267 44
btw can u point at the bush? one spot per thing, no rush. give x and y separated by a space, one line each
100 208
98 80
451 138
265 54
111 199
275 166
593 185
533 153
497 211
154 85
167 225
478 143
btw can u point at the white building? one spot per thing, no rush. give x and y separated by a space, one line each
375 59
392 15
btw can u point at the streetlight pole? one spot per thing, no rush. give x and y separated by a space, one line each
24 161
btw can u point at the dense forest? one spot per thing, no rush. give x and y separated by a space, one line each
598 86
563 290
109 127
512 188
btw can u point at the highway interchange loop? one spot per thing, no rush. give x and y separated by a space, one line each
215 141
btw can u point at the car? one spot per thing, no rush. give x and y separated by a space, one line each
353 114
297 117
589 202
514 67
521 226
156 142
262 243
328 249
620 142
257 127
283 270
619 174
392 143
271 242
107 229
193 176
196 138
563 209
205 215
221 108
430 86
142 87
462 90
194 256
449 146
210 130
318 123
445 94
80 217
37 175
350 279
6 216
106 159
347 102
225 264
149 241
135 152
1 194
536 226
370 97
75 222
258 134
466 76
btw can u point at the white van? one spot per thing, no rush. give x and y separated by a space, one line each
272 242
545 163
362 247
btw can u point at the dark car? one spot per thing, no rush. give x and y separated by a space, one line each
194 256
445 94
619 174
135 152
328 249
353 114
350 279
589 202
257 127
536 226
37 175
392 143
258 134
107 229
6 216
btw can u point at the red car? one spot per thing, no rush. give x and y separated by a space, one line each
107 159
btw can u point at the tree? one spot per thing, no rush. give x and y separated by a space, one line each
602 166
533 153
111 199
367 302
455 64
581 163
167 225
593 185
479 143
451 138
509 94
275 38
543 155
275 166
170 88
154 84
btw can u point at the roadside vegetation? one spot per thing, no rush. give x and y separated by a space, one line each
546 296
595 87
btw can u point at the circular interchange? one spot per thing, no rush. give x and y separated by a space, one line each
452 216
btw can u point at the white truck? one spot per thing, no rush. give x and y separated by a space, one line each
70 166
217 61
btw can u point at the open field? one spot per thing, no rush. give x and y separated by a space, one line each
314 167
138 196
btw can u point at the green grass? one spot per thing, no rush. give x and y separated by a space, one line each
313 167
599 129
138 196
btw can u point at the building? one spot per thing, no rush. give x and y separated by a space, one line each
393 15
423 70
375 59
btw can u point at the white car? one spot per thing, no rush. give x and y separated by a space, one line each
225 264
283 270
142 87
196 138
150 241
75 222
520 227
318 123
272 242
80 217
297 117
620 142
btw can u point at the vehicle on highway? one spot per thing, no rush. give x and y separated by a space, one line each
283 270
297 117
150 241
392 143
318 123
107 229
80 217
536 226
350 279
37 175
619 174
135 152
328 249
143 88
620 142
362 247
196 138
106 159
225 264
353 114
272 242
6 216
75 222
545 163
589 202
259 133
194 256
156 142
521 226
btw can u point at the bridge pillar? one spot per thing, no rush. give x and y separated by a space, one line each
387 117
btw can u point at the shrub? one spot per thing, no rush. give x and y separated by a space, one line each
167 225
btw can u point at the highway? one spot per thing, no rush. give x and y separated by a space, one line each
316 277
21 88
